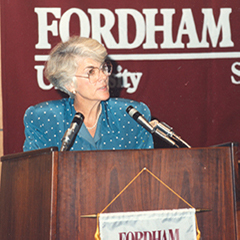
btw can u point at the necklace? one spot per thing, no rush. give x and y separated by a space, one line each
96 119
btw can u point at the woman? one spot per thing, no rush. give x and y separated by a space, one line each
79 68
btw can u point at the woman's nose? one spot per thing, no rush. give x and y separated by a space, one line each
102 76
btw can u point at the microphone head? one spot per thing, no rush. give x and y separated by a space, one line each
128 109
71 133
133 112
78 118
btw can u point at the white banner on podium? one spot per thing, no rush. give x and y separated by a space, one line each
177 224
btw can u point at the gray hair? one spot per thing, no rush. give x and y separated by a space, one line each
63 60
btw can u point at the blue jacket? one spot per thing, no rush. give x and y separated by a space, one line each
46 123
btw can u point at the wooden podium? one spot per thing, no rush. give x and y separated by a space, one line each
44 193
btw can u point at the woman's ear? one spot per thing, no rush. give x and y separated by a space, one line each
71 86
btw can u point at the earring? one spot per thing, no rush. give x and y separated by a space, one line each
74 92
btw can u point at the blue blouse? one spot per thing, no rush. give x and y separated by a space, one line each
46 123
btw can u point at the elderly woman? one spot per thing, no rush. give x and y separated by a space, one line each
79 68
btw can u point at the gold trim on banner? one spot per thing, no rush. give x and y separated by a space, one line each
97 233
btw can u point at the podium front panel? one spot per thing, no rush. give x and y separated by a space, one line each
45 194
88 181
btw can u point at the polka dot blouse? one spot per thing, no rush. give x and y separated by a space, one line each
46 123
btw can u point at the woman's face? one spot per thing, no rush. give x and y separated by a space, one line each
95 89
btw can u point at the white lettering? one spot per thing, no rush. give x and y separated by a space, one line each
64 25
235 70
214 31
125 76
104 31
135 79
187 27
151 28
44 28
40 78
101 25
129 80
103 21
123 28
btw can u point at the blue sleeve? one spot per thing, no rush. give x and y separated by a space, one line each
34 133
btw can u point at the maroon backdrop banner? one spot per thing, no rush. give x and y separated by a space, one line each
181 58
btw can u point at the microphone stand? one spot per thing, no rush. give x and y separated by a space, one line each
167 132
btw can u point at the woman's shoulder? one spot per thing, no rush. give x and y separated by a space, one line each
50 106
121 104
124 103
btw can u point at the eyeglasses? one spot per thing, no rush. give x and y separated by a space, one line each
94 72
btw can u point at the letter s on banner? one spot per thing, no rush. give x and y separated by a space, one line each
235 71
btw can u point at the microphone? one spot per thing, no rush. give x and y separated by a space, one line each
167 130
138 117
71 133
